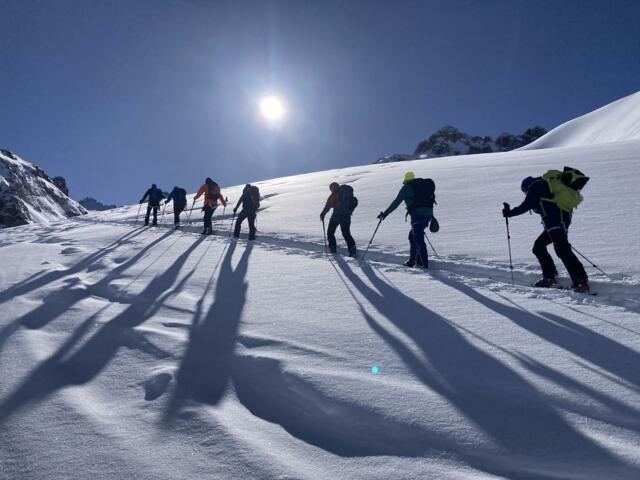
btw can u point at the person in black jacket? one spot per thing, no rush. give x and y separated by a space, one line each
250 200
155 196
556 227
343 203
179 197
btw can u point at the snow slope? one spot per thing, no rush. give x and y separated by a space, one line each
128 352
615 122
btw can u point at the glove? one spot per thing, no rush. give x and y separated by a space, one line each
322 217
235 209
506 210
141 201
381 216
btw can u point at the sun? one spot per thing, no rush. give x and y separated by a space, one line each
272 109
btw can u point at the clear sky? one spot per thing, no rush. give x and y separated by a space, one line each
117 94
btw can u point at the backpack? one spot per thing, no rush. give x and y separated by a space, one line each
155 195
213 191
424 193
348 202
181 195
565 187
253 195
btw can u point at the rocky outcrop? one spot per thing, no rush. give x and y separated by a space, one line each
450 141
91 203
27 194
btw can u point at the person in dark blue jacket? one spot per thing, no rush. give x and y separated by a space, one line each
556 228
179 197
155 196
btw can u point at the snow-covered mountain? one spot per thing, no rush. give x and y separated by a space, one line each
616 122
147 353
28 195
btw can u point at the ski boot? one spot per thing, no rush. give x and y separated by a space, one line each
582 287
410 263
546 282
353 253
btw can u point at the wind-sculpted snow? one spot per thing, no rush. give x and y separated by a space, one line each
132 352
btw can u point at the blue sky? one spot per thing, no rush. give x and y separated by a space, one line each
115 95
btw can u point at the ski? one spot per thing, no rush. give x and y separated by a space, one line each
566 289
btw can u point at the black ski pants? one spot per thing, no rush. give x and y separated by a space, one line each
558 236
345 228
251 217
177 210
208 214
155 214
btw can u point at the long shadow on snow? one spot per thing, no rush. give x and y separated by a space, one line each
593 347
515 415
58 301
205 370
61 370
40 279
61 300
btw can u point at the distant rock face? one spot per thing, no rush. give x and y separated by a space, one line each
91 203
61 183
449 141
28 195
396 157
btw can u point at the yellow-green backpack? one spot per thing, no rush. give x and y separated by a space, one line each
565 187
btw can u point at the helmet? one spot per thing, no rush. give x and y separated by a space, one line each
153 185
526 183
333 186
409 176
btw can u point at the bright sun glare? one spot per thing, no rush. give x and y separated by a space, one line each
272 109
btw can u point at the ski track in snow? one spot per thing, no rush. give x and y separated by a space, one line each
263 387
130 352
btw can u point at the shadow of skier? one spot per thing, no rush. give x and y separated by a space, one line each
523 425
206 367
87 361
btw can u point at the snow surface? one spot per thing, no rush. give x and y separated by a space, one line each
617 121
149 353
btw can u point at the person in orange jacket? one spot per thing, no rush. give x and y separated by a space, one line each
211 192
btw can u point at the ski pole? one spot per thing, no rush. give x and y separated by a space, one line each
138 215
189 216
324 232
592 264
231 226
163 210
431 245
374 234
224 208
506 219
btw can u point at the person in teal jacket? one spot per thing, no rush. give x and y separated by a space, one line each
419 204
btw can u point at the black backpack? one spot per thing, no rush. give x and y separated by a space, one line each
424 193
155 195
252 197
348 202
181 195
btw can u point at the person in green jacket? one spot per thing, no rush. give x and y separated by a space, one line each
418 196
